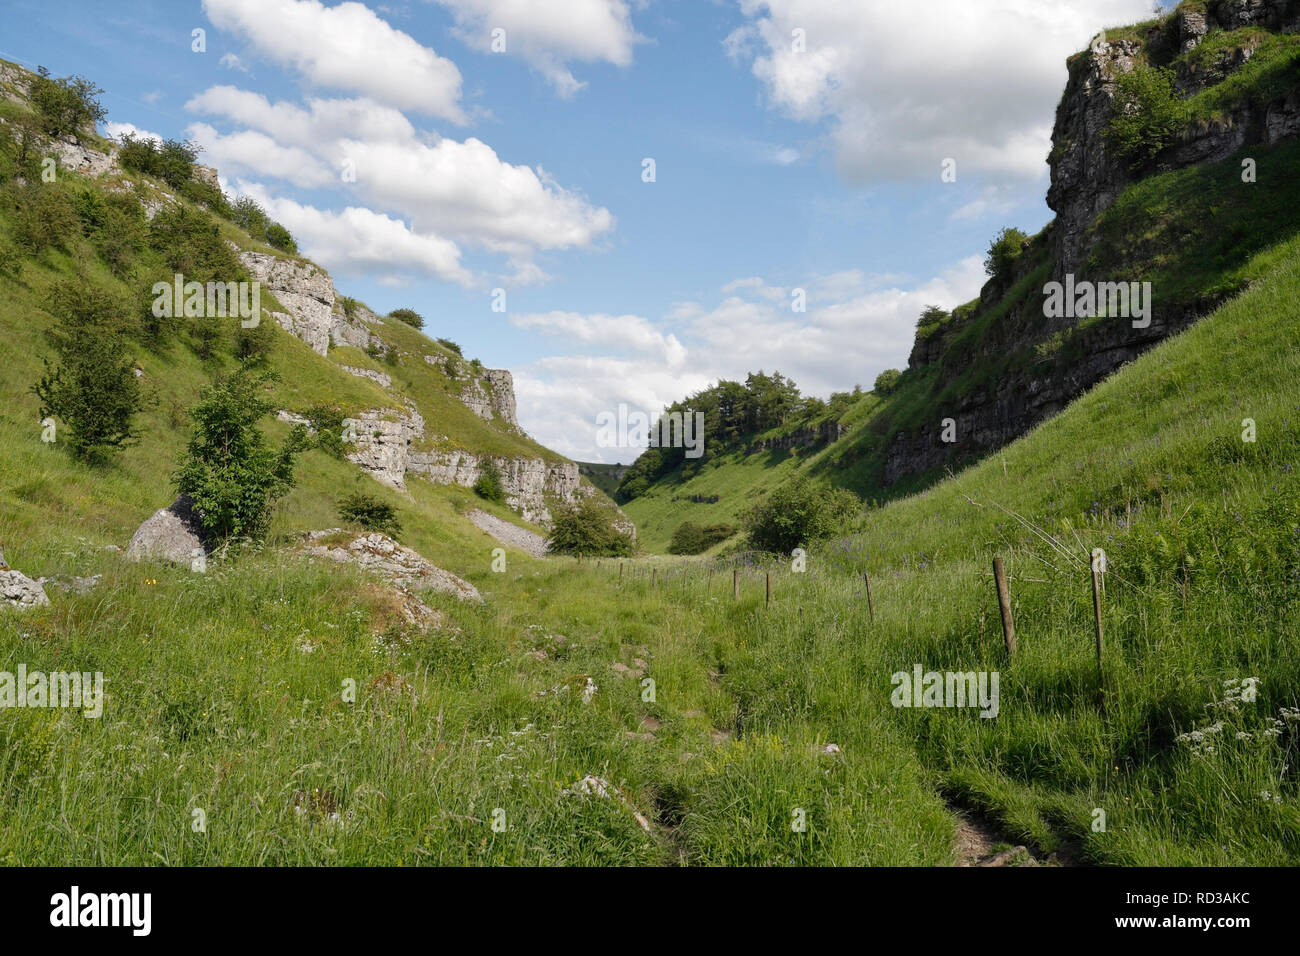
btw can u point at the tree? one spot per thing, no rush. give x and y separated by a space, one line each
796 514
1146 115
279 237
66 107
93 389
584 527
1003 252
887 382
409 316
229 470
488 487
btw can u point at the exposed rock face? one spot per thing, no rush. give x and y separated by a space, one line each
802 438
17 590
379 378
171 534
527 481
88 162
1086 180
381 555
306 291
1087 177
489 393
383 441
492 395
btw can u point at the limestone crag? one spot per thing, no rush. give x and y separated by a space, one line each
382 442
528 482
492 395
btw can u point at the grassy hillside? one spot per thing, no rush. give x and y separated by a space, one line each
224 691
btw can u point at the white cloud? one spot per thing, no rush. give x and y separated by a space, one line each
118 130
843 342
548 34
461 190
904 87
361 240
251 152
345 47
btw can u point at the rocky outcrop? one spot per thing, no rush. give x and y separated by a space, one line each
492 395
306 291
823 434
528 482
17 590
382 442
171 534
381 555
1087 177
379 378
1058 359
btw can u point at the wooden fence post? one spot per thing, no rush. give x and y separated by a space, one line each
871 607
1096 608
1004 605
654 579
620 572
735 584
769 588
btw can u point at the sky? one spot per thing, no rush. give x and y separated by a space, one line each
654 194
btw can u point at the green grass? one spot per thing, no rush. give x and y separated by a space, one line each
227 691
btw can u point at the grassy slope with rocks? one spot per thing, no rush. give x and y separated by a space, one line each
225 690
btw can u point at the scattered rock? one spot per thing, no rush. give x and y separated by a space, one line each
380 378
74 584
380 554
831 749
591 785
171 534
19 591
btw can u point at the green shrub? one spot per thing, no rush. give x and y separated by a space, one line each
449 344
690 538
887 381
1003 252
45 217
279 237
66 107
115 225
409 316
93 390
229 470
488 487
253 345
1147 115
585 528
796 514
327 423
370 513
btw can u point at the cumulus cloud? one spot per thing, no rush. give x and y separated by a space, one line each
357 240
905 87
856 326
459 190
549 34
118 130
345 47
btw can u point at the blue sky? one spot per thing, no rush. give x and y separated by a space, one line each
798 144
